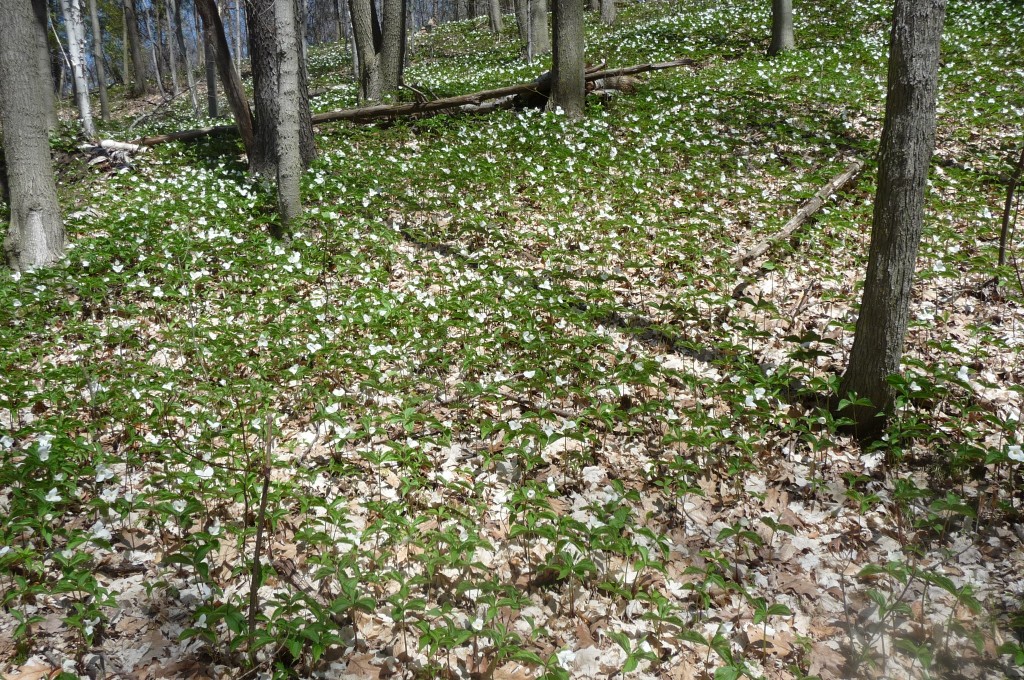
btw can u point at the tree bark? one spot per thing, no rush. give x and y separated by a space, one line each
608 12
908 140
139 83
782 27
76 52
35 236
154 50
174 10
265 53
568 87
97 53
41 50
210 57
228 75
289 156
172 48
362 12
392 46
494 17
540 42
522 10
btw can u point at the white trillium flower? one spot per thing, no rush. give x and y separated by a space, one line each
1015 453
205 473
53 496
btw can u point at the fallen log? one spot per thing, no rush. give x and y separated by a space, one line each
805 212
185 135
539 87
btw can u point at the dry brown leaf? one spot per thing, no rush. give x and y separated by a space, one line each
360 668
34 670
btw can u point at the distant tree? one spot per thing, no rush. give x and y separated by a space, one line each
494 18
174 16
908 140
522 10
379 47
35 236
540 41
75 31
97 57
289 114
568 88
782 27
131 19
213 27
608 12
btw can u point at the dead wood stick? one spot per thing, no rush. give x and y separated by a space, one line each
806 210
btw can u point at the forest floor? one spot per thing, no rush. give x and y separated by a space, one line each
495 401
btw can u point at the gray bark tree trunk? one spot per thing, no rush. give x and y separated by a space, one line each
131 19
172 51
210 56
97 54
76 52
782 27
174 11
288 137
568 88
41 51
392 46
265 53
228 75
154 51
362 12
540 41
608 12
35 237
908 140
523 24
494 16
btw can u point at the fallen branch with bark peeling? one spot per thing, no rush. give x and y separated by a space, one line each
541 87
811 206
804 213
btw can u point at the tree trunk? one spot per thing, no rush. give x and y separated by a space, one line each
41 51
782 27
494 16
568 88
522 10
154 51
289 156
392 46
172 50
908 140
35 237
174 10
369 70
608 12
76 51
210 57
540 42
139 83
228 75
265 53
97 53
